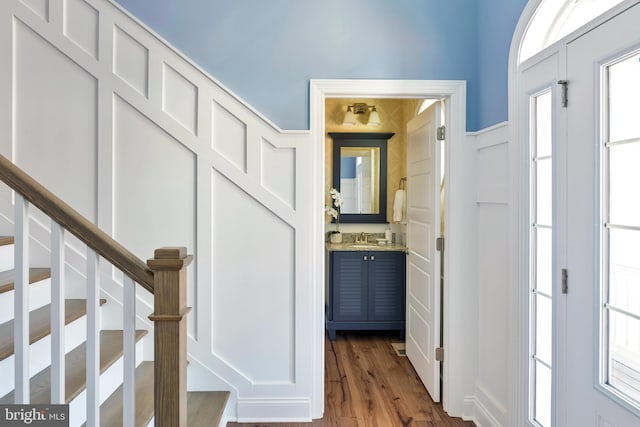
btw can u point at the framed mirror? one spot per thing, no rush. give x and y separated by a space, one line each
360 174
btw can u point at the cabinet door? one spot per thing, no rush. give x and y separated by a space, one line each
349 278
386 286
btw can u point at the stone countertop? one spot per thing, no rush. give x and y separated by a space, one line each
365 247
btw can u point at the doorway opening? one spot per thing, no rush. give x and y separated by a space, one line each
456 316
366 289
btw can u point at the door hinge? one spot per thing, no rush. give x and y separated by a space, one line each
440 133
565 281
440 354
440 244
564 95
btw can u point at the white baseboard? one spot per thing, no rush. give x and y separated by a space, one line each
274 410
484 410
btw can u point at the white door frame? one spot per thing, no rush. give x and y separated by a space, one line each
460 198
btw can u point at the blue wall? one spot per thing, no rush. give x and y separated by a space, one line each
266 51
497 21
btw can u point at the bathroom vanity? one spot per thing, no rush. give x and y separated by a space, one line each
365 287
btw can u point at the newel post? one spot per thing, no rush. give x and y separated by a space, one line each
170 316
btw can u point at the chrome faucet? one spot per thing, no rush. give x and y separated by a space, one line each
363 238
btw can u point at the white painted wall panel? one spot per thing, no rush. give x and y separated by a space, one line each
154 201
81 25
39 7
493 275
180 98
278 167
253 286
493 178
229 136
131 61
55 120
154 184
493 320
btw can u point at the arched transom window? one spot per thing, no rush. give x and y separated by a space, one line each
554 19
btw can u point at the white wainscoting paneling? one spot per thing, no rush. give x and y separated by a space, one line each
229 136
39 7
81 25
278 171
55 120
180 98
488 406
253 286
157 153
131 61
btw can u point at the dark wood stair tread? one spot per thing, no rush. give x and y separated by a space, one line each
75 374
40 324
204 408
35 275
6 240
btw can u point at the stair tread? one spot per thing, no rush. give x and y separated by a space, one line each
6 240
75 374
40 324
111 409
35 275
203 407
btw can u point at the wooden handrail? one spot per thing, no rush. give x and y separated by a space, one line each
76 224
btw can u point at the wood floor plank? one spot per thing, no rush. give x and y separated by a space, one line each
75 374
40 324
368 385
35 275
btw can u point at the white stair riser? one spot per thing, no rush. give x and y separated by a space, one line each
6 257
39 295
40 354
110 380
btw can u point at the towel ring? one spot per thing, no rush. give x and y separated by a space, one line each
402 184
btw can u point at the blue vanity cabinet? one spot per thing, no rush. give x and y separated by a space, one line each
366 290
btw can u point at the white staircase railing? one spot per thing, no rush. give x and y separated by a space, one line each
164 276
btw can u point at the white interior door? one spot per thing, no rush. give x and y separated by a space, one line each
603 227
423 262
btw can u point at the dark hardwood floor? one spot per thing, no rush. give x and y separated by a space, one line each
368 385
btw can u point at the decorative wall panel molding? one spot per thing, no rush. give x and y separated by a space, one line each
131 61
81 25
39 7
157 153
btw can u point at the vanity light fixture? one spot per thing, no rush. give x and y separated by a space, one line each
359 108
349 117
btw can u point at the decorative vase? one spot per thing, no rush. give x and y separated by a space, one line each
336 237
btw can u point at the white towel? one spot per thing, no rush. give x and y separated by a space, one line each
398 206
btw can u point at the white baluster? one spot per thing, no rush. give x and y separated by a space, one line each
21 300
93 339
57 314
129 358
